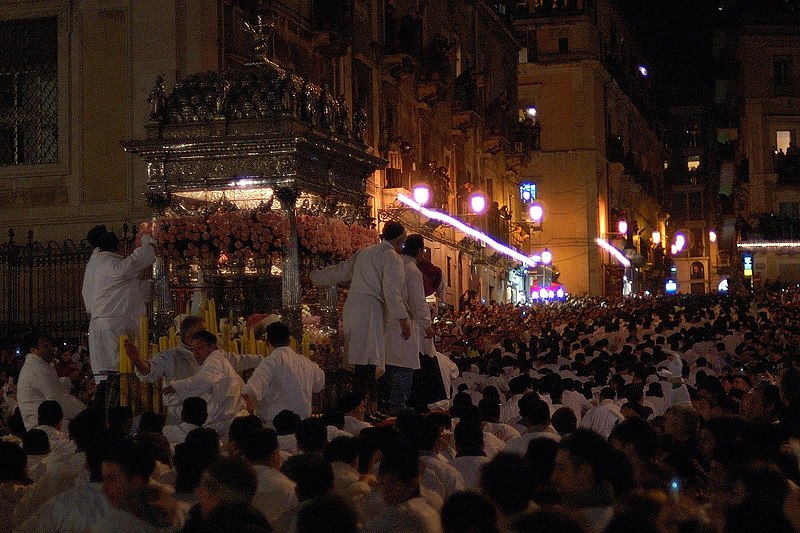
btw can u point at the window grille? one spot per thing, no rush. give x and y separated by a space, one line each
29 92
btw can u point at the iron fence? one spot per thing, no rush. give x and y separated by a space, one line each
40 287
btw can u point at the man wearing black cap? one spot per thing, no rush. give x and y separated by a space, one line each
376 278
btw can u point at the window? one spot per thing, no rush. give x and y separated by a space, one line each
563 45
782 140
449 272
29 92
693 162
782 73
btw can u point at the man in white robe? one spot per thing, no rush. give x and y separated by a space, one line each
603 418
117 301
217 378
94 236
179 363
38 381
402 354
283 380
376 278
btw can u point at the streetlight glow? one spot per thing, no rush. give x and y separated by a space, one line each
673 249
477 202
422 194
712 236
680 242
547 257
536 212
656 237
622 226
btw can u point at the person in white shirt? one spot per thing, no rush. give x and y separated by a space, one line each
470 456
376 278
399 485
179 363
276 492
342 454
38 381
605 416
94 236
354 408
283 380
216 377
193 415
402 353
117 301
536 414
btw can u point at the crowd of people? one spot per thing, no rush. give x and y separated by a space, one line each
663 414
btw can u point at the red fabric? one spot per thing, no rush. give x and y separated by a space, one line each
431 275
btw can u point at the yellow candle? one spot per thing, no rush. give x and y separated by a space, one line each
293 344
173 338
123 373
251 338
163 343
261 348
306 342
144 338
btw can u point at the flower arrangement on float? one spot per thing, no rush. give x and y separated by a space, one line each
254 233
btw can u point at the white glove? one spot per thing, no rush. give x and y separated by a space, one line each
147 239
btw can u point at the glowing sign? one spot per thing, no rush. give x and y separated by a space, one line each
527 191
671 287
748 265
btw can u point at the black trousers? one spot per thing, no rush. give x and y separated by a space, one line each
364 382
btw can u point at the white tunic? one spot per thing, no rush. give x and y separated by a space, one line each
603 418
179 363
284 380
275 494
216 377
469 466
405 352
88 280
375 275
38 381
75 510
116 305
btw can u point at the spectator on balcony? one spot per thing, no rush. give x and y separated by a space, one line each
496 113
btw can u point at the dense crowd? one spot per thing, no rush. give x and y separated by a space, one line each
659 414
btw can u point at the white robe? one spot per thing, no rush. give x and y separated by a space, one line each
216 377
38 381
116 304
88 280
284 380
275 494
603 418
375 275
179 363
75 510
405 352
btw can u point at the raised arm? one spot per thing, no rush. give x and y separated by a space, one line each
334 274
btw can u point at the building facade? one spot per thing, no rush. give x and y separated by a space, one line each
600 154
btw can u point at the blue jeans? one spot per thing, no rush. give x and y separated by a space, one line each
399 383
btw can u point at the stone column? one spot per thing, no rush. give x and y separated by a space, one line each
287 196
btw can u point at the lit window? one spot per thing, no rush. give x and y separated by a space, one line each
782 140
693 163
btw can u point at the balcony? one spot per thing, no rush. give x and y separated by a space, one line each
771 227
787 167
548 8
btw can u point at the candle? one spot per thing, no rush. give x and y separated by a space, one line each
251 341
163 343
293 344
212 312
123 382
144 337
261 348
173 338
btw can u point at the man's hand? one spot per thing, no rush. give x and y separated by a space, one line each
251 403
405 329
428 332
169 389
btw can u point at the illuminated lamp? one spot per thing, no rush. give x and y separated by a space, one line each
712 236
531 112
422 194
680 242
656 237
543 293
622 226
560 293
536 212
643 70
477 203
673 249
547 257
